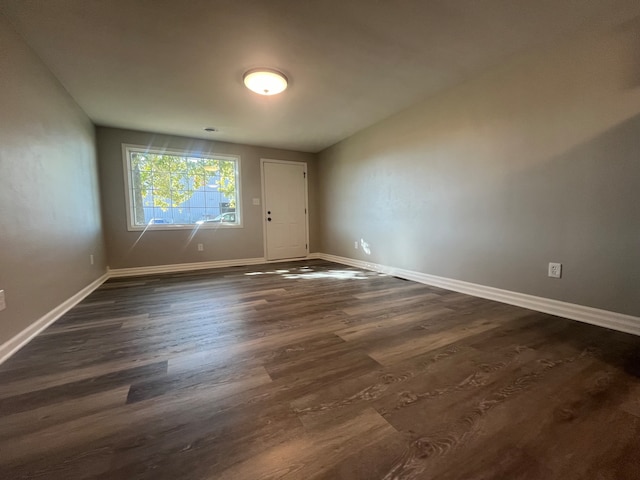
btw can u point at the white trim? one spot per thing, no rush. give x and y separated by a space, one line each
127 148
11 346
594 316
181 267
264 205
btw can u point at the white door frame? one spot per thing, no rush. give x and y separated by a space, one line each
264 205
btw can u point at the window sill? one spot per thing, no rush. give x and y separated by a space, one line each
169 227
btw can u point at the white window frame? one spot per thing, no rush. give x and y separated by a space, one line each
127 149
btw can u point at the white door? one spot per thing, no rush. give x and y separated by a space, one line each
285 209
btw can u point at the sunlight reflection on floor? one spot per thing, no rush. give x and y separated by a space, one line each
310 273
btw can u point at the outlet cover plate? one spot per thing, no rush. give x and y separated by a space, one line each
555 270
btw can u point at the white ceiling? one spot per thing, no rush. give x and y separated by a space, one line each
176 66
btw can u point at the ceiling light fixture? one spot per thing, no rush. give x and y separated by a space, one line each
265 81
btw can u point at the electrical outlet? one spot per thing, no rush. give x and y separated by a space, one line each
355 244
3 304
91 259
555 270
200 247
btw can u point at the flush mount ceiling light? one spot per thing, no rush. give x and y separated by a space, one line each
265 81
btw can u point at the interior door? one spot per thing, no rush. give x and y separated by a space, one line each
285 209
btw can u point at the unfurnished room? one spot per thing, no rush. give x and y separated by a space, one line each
339 240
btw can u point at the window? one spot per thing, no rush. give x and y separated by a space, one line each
169 189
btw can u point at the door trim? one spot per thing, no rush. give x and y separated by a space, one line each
263 206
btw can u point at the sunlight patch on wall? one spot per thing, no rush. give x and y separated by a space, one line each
365 247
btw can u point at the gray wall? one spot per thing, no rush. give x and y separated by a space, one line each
131 249
49 201
532 162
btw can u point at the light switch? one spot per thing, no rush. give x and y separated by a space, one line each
256 201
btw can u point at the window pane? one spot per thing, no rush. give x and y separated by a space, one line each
198 199
210 198
180 189
160 199
177 215
197 214
179 197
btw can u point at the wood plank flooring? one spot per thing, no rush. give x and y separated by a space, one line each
313 370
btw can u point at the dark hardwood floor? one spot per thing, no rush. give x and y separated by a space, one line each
312 370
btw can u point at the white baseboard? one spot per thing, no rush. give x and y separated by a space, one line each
594 316
182 267
14 344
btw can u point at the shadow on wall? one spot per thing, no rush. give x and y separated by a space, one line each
632 27
582 208
500 225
